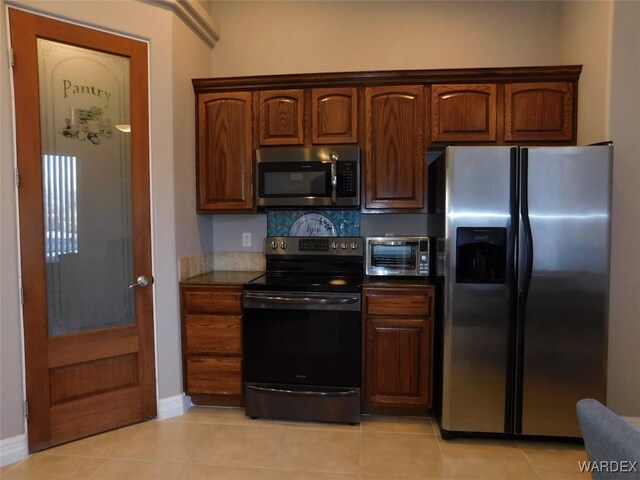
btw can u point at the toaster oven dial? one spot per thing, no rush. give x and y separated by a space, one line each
274 245
334 245
354 245
283 245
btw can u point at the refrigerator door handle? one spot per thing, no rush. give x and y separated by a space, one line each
512 242
524 281
528 235
512 285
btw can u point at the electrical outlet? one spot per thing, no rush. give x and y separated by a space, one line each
246 239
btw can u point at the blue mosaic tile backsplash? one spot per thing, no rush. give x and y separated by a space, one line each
317 223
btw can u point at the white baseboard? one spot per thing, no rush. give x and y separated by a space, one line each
173 406
14 449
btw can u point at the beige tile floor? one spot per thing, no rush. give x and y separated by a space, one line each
223 444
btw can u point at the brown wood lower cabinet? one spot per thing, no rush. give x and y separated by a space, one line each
398 332
212 344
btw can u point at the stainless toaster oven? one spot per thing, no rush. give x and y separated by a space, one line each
398 256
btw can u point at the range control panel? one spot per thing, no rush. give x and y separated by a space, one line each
334 246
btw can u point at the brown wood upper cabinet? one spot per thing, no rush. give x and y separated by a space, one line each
542 111
334 115
395 147
225 152
281 117
392 123
464 112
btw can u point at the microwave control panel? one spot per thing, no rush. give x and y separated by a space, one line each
347 172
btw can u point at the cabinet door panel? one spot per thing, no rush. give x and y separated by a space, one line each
395 147
334 115
224 152
539 112
281 117
465 112
398 361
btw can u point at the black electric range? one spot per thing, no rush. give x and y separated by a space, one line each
302 331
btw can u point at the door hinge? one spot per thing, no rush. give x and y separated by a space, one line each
12 59
26 409
17 177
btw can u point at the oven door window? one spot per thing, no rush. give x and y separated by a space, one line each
302 347
295 179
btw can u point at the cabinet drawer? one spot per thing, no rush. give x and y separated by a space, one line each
213 301
214 375
399 303
213 334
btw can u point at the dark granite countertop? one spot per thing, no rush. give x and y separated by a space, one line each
406 282
242 277
222 278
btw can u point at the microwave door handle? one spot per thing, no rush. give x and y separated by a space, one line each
334 183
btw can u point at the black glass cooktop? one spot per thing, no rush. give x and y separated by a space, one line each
306 282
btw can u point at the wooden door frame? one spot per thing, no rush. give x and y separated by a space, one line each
30 199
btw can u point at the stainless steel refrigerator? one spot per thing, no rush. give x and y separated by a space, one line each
526 290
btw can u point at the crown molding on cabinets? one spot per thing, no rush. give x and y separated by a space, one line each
193 15
557 73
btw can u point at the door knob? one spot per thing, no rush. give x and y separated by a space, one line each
141 281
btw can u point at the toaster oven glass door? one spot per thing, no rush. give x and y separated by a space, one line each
394 257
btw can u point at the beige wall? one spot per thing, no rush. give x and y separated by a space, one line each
296 37
190 60
586 40
624 128
176 56
11 385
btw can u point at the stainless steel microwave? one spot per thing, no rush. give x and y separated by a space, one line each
398 256
297 177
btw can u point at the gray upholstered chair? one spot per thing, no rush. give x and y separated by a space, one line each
612 444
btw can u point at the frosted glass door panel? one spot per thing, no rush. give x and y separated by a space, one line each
86 174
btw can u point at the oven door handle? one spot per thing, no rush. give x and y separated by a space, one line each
272 300
302 300
309 393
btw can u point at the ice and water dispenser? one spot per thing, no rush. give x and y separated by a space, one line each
481 255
